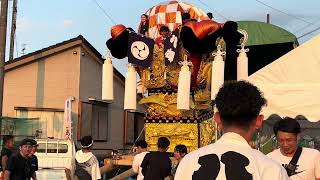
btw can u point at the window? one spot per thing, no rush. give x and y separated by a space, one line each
41 148
134 124
52 148
94 121
63 148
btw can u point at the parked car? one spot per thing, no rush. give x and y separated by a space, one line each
54 155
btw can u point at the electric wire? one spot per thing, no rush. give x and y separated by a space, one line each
296 17
214 11
104 11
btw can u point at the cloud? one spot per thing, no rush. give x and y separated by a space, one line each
67 23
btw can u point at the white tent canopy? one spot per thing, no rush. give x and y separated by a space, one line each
291 84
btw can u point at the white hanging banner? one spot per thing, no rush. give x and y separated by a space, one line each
242 64
242 60
183 95
68 118
130 93
107 80
217 76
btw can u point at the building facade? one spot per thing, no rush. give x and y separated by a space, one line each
37 85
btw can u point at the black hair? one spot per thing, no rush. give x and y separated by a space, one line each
209 14
185 16
288 125
164 29
7 138
239 103
182 149
163 143
145 15
142 144
86 141
26 141
33 142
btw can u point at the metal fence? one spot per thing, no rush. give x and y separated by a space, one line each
20 128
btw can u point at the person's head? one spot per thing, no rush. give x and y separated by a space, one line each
185 17
141 146
34 147
287 131
144 18
180 151
163 144
164 31
25 147
239 105
209 14
8 141
86 143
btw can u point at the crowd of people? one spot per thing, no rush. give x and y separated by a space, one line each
164 31
157 165
231 157
23 164
19 165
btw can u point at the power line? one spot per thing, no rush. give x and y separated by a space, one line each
309 32
306 26
296 17
104 12
219 14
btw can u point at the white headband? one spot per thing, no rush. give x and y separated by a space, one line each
84 147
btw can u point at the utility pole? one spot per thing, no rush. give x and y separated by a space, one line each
3 34
13 29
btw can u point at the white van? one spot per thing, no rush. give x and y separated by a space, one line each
54 155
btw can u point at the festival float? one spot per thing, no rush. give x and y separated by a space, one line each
179 75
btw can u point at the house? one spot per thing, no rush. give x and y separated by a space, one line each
37 85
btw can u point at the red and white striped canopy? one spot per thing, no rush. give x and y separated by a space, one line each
170 14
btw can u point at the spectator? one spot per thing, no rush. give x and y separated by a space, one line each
300 163
209 14
185 18
179 152
157 165
6 151
33 159
87 165
164 33
231 157
19 166
137 160
144 25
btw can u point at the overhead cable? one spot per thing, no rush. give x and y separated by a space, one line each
216 12
296 17
309 32
104 12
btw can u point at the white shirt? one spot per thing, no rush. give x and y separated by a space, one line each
232 157
90 163
137 160
308 163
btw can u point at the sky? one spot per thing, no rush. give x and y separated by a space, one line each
42 23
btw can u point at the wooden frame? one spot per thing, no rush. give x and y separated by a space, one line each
125 127
90 119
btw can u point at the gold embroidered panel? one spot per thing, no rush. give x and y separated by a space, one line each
207 132
177 133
